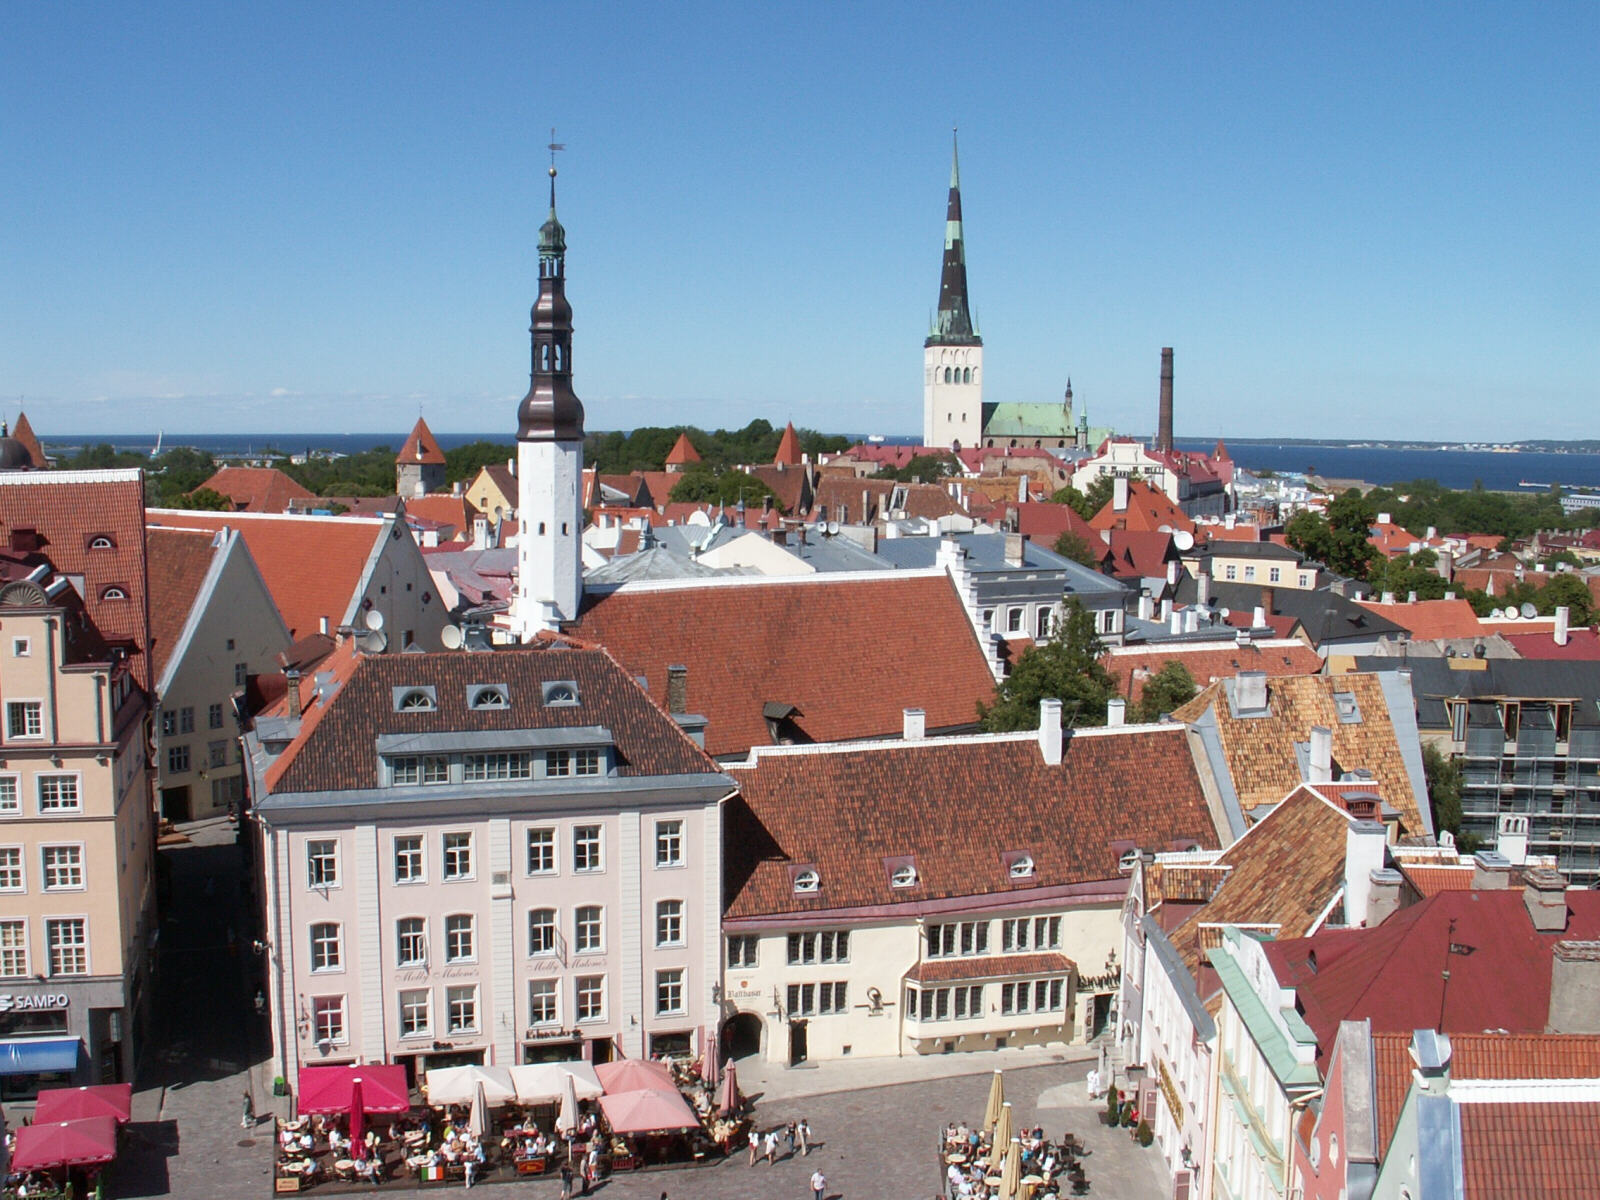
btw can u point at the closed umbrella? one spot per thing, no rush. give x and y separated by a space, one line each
728 1093
1002 1137
997 1095
358 1120
478 1118
567 1118
1011 1174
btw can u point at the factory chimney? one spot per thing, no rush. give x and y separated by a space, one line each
1164 418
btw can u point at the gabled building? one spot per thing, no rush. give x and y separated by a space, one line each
333 573
485 857
213 624
258 489
493 491
419 468
926 895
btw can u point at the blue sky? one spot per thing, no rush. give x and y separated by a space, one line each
1349 220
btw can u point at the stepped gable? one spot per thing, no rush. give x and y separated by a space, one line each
337 752
846 655
957 807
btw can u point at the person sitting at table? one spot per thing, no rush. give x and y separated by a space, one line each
954 1177
337 1141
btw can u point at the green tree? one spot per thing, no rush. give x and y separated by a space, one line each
1443 777
1166 691
923 468
464 462
1071 545
705 486
1067 667
1086 503
1350 518
1566 588
200 498
1308 532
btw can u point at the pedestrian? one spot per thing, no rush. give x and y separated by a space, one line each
819 1184
804 1132
247 1119
755 1144
772 1146
788 1133
566 1181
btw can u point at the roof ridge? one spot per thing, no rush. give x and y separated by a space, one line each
207 514
949 739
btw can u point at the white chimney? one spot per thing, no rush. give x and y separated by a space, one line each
1229 521
1147 606
1364 843
1202 587
915 724
322 626
1259 621
1119 494
1511 838
1563 616
1191 620
1116 713
1172 574
1387 598
1050 731
1166 609
1433 532
1383 519
1411 597
1322 755
1175 622
1241 637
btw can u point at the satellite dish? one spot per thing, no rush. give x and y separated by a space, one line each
833 528
1529 611
450 635
1224 613
1183 540
1510 614
374 642
374 619
1495 614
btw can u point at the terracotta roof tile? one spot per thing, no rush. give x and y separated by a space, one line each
1148 510
999 966
788 454
1582 644
1044 522
849 654
257 489
1260 751
311 565
1514 1151
68 510
179 560
421 446
1208 662
1430 881
1429 619
957 805
450 513
924 500
23 433
336 751
682 452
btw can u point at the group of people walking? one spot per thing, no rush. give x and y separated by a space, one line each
795 1133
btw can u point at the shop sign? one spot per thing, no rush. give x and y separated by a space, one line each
32 1002
1169 1093
542 1035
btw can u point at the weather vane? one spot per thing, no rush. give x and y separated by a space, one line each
554 146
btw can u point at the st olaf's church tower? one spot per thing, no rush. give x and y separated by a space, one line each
549 455
952 356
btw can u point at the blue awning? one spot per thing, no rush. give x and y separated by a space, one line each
38 1054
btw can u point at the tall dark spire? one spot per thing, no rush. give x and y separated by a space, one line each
953 326
551 410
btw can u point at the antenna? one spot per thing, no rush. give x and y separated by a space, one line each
553 147
1529 611
451 637
373 642
373 620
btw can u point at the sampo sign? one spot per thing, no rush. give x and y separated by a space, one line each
33 1002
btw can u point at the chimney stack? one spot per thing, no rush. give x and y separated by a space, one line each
1119 493
322 626
292 678
1147 606
677 690
1164 418
1175 622
1383 900
1116 713
1364 843
1321 770
1511 838
1563 616
1269 600
1574 982
1259 619
1544 892
1202 588
915 724
1050 731
1172 573
1014 549
1491 871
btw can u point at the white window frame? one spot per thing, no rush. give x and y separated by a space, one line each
671 992
178 758
21 948
75 850
21 647
32 712
55 807
415 859
51 923
323 1008
406 1003
583 925
453 935
418 937
449 851
669 843
595 986
583 844
319 877
546 989
320 945
552 938
463 995
10 794
546 844
214 716
21 865
669 922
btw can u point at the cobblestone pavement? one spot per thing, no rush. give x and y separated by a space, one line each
874 1142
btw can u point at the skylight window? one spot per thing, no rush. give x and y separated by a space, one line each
807 880
1022 866
904 876
415 699
491 695
1349 711
562 691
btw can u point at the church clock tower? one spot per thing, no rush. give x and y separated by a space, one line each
952 357
549 455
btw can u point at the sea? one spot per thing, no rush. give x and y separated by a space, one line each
1498 471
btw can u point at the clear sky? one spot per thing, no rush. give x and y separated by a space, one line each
1348 219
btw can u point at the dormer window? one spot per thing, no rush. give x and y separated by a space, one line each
1128 861
113 593
415 699
1349 711
807 880
1021 867
490 695
904 876
102 541
559 692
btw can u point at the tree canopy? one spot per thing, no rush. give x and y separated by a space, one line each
1339 540
923 468
1167 690
1067 667
646 448
1086 503
703 485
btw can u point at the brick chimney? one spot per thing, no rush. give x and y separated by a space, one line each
1544 891
292 678
1574 988
677 690
1164 415
1491 871
1269 601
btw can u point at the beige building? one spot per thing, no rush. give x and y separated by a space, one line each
77 897
942 894
213 625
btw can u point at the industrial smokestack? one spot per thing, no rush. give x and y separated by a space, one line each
1164 418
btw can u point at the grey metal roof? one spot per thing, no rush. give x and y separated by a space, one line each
1434 679
987 552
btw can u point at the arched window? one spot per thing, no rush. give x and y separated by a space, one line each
904 876
947 374
416 701
1022 866
113 593
102 542
489 697
807 880
966 375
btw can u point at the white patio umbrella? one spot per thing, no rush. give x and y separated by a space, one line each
567 1118
459 1085
478 1118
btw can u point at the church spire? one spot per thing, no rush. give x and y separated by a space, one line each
551 410
953 326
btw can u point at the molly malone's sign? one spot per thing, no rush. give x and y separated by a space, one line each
33 1002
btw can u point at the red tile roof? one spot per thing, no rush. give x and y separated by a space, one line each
660 485
70 509
925 500
788 454
1391 974
850 654
452 514
1582 644
311 565
257 489
999 966
957 807
421 446
1044 522
1513 1151
1431 880
682 452
1429 619
1148 510
179 560
22 432
791 486
1206 662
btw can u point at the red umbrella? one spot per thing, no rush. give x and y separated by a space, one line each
78 1143
114 1100
358 1146
728 1093
647 1111
634 1074
331 1089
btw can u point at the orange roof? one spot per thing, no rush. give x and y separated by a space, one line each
178 561
788 454
257 489
1148 511
840 652
682 452
448 512
1208 662
22 432
1429 619
421 446
1433 879
311 565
